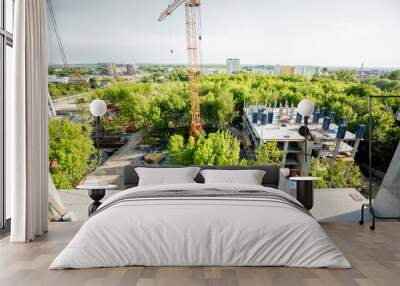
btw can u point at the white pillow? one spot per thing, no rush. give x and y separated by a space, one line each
166 176
248 177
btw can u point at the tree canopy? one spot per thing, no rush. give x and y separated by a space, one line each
71 146
163 109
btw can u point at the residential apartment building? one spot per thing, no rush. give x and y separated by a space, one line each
112 69
283 69
130 69
305 70
233 66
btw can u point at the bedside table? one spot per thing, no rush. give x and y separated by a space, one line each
305 190
96 193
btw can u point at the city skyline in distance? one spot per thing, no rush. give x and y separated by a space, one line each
340 34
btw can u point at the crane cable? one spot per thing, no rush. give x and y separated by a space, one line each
61 47
57 33
170 38
200 41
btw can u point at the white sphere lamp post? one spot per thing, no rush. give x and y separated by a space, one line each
305 108
98 108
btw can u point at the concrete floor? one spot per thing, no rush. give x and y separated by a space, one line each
78 201
329 204
332 205
112 170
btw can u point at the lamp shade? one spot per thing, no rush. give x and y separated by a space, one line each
305 107
98 107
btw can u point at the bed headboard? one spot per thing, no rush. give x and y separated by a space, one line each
270 179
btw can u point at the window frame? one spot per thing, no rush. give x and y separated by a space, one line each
6 39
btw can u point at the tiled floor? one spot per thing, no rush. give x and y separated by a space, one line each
374 255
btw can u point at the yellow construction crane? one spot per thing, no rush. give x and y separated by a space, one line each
191 7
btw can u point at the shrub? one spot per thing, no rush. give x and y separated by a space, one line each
335 174
219 148
268 154
71 146
66 89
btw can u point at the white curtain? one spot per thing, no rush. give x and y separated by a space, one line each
26 117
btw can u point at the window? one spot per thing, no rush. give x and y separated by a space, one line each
6 43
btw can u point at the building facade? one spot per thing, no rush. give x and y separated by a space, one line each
55 79
130 69
305 70
112 69
233 66
282 69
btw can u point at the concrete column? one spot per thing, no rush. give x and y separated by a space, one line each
387 201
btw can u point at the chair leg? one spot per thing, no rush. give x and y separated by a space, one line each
372 226
361 221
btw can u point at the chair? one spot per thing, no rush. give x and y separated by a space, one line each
326 123
270 117
264 118
332 149
360 131
333 116
322 111
316 117
342 150
340 135
299 117
254 117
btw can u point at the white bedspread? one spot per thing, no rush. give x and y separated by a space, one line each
200 231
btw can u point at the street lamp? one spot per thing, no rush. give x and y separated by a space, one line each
98 108
305 108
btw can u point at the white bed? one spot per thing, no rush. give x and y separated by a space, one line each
202 231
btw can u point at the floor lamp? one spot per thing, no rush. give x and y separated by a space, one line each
369 205
98 108
305 108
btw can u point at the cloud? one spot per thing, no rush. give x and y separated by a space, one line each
314 32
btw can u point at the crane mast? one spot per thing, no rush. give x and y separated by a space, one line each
194 70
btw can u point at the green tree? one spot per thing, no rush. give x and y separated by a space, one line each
219 149
346 75
394 75
335 174
268 154
179 75
54 91
66 89
71 146
218 109
163 109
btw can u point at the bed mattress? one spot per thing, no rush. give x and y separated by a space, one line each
201 225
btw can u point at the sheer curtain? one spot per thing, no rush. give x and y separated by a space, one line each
26 117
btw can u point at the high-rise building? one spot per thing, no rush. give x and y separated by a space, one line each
112 69
305 70
120 69
233 66
130 69
282 69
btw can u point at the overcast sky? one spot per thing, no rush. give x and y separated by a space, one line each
313 32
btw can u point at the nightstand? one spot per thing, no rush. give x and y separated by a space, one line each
305 190
96 193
